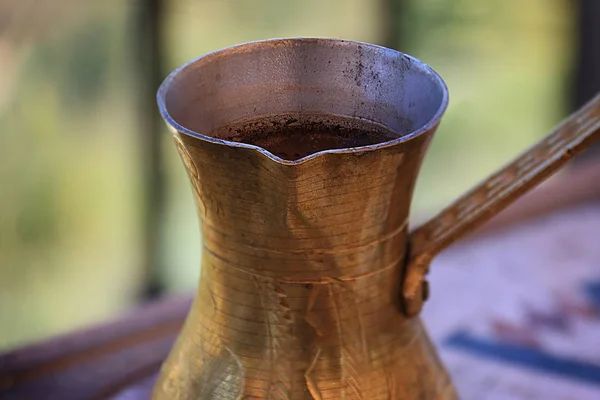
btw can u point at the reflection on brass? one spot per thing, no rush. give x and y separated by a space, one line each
305 248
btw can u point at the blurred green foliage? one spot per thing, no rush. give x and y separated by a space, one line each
70 179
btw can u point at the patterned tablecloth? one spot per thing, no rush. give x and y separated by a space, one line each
517 315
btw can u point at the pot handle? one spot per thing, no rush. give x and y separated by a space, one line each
575 134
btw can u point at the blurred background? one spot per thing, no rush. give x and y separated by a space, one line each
96 212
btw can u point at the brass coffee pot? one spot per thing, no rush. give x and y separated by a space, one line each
311 282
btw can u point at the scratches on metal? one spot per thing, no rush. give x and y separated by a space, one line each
279 323
351 335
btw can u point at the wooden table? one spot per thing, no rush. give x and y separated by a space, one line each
515 312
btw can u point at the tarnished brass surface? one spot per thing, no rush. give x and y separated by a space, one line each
299 296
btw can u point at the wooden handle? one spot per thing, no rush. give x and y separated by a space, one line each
572 136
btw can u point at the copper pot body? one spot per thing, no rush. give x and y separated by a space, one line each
299 296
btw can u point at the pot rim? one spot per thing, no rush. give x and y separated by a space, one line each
248 46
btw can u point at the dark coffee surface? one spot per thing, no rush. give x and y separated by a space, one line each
294 137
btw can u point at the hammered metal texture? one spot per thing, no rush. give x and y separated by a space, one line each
303 306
